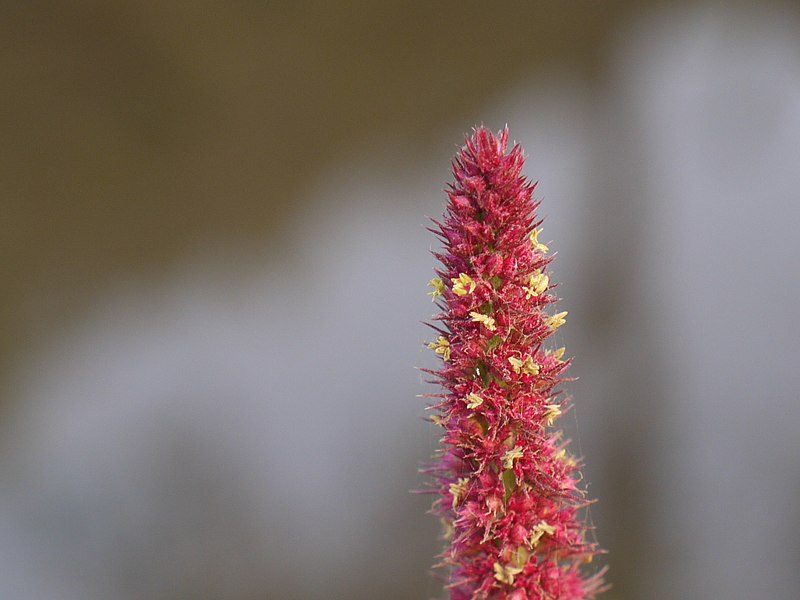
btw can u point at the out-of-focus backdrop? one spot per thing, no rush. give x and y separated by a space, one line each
212 276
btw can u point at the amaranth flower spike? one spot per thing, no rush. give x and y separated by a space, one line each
507 487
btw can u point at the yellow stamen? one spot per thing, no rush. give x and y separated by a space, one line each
565 458
473 400
557 320
506 573
441 347
537 284
458 490
461 283
540 530
508 457
438 287
537 245
485 319
526 366
449 530
520 556
553 412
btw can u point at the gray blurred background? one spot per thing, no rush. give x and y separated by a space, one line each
213 264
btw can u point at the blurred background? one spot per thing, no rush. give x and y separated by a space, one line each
213 269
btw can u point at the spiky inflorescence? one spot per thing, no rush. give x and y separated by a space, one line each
507 487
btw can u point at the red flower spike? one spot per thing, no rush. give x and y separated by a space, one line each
506 484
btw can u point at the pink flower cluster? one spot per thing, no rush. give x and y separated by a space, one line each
507 487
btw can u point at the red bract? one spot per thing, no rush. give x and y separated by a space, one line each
507 487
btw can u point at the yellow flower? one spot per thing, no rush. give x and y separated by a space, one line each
438 287
537 245
557 320
461 283
553 412
473 400
526 366
441 347
557 354
485 319
506 573
508 457
565 458
459 490
448 528
543 528
520 556
537 284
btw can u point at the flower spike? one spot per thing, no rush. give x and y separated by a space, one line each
507 490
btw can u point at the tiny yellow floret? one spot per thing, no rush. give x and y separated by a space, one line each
485 319
543 528
566 458
537 245
557 320
438 288
449 530
508 457
459 490
537 284
461 283
520 556
441 347
473 400
557 354
527 366
506 573
553 412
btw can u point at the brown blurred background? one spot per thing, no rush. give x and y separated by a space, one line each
133 130
205 385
